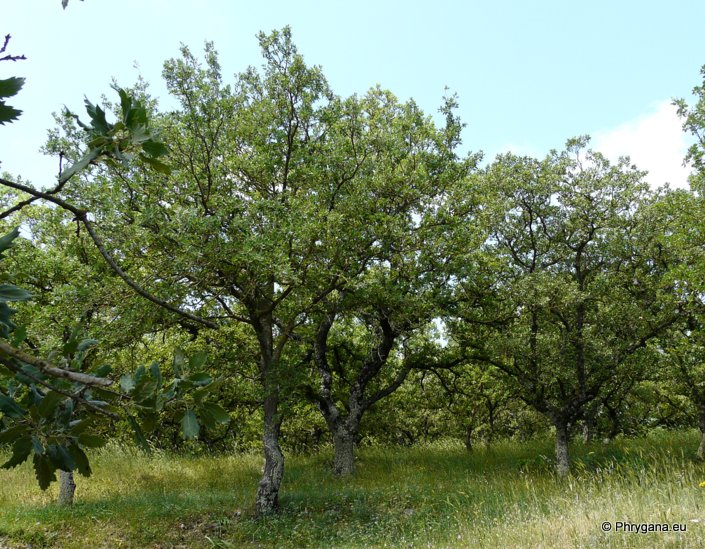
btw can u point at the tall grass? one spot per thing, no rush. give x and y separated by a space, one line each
437 496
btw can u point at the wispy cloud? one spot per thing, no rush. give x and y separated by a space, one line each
654 141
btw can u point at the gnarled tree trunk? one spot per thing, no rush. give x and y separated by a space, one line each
268 489
267 499
344 447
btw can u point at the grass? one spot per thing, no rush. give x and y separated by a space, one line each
436 496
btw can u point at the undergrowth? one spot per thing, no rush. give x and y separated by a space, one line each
431 496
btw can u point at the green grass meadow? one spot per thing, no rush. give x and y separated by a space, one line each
432 496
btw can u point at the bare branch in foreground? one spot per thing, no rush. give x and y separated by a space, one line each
49 369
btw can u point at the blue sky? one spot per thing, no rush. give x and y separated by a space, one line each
529 74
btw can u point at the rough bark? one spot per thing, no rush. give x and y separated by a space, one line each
344 446
562 463
67 488
268 490
267 499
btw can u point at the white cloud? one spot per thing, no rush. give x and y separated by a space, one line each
654 141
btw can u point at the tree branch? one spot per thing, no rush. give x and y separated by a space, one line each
17 207
51 370
72 396
82 215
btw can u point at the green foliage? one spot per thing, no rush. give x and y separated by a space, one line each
281 196
189 425
563 298
677 216
267 207
42 421
55 428
11 293
50 413
9 87
50 418
694 122
190 390
121 141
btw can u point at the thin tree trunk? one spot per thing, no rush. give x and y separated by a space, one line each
491 411
614 422
562 463
67 488
344 446
701 448
588 427
267 499
268 490
468 437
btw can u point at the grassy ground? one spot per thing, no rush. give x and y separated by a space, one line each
437 496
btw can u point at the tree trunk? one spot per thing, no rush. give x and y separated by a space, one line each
491 411
588 428
344 445
67 488
562 463
468 437
614 422
268 489
701 448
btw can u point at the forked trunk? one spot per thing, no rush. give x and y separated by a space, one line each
67 488
268 489
562 463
